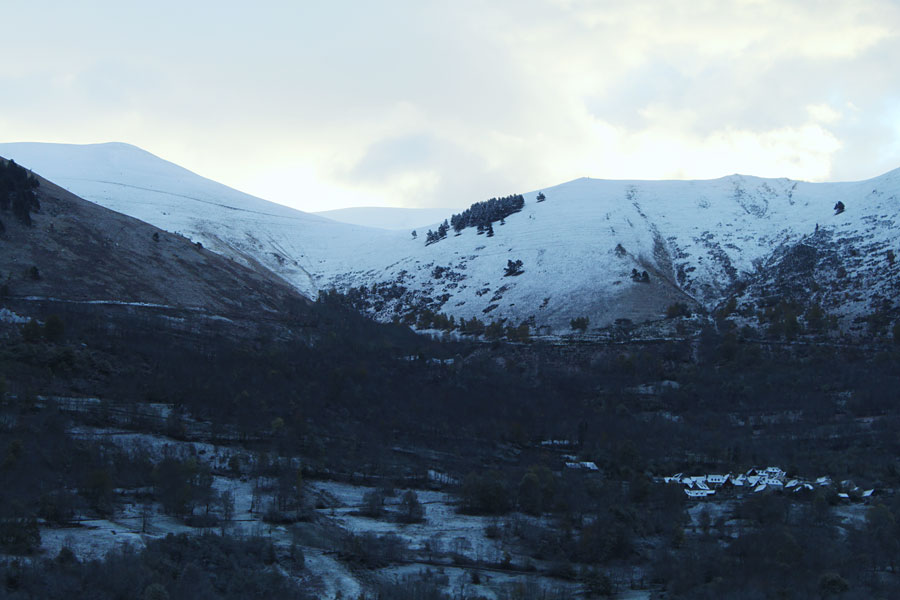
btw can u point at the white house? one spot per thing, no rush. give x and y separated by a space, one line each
775 473
674 478
699 493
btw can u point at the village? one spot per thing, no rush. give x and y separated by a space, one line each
755 481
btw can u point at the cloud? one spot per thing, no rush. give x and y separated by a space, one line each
407 103
823 113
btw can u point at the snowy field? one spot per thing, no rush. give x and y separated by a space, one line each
429 545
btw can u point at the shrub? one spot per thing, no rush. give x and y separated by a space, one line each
522 333
373 504
411 510
373 551
579 323
679 309
485 494
513 268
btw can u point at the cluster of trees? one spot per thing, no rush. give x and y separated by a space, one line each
363 298
495 330
428 319
183 485
579 323
781 319
513 333
596 520
83 475
173 568
433 236
17 187
487 212
410 509
785 549
642 277
481 215
677 309
513 268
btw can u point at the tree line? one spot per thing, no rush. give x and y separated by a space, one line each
17 187
481 215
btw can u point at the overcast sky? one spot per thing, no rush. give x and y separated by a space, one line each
443 103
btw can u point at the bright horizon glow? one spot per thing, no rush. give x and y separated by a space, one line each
408 104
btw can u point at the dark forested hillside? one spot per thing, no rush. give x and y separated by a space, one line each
60 247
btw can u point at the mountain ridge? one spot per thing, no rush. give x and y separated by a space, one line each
76 252
700 243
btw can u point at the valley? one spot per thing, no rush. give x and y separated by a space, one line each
191 424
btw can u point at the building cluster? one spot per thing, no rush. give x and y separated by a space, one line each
757 481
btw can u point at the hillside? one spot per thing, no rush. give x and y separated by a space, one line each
250 230
700 242
76 252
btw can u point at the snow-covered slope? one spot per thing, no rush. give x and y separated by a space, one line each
401 219
75 254
697 240
250 230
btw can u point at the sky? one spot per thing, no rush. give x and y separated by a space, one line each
324 105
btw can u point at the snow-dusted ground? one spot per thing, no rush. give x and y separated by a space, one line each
92 539
578 247
443 533
444 528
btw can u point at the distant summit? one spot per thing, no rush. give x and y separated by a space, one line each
403 219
